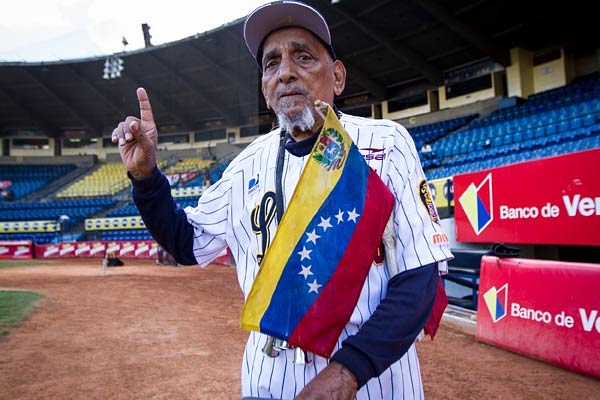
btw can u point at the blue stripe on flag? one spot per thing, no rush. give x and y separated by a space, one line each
291 299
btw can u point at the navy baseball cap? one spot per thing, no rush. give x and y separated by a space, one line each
280 14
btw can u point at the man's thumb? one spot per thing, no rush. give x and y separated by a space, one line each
140 137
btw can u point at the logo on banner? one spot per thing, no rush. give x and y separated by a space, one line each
476 201
496 301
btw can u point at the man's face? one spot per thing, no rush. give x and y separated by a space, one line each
297 70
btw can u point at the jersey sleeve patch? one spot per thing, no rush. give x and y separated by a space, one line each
427 201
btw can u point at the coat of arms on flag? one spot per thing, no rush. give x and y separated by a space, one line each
312 274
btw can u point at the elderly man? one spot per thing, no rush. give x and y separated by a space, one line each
375 355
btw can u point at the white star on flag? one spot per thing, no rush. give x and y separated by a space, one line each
314 287
312 236
305 271
325 224
352 215
340 216
304 253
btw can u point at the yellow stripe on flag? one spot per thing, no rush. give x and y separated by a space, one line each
315 184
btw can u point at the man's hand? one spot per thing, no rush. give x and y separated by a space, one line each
335 382
137 139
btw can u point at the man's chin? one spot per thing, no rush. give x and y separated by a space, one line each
296 119
294 112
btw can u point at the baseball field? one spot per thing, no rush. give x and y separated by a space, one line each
144 331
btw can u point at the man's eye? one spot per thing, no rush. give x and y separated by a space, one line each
304 57
270 64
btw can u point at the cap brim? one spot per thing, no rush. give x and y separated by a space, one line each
272 16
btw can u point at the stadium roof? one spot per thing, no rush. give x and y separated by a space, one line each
392 49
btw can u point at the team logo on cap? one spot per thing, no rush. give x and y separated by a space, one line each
476 201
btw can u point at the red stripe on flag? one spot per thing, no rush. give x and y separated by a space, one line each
439 306
320 327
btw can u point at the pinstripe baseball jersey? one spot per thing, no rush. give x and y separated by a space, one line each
239 212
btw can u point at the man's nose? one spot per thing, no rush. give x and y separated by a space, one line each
287 70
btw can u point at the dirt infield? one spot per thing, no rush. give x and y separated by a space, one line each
154 332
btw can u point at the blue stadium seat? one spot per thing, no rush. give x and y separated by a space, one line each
551 130
575 123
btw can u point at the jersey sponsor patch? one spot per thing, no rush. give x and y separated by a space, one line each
439 238
371 153
253 184
427 200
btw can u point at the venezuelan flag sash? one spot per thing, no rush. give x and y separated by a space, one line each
312 274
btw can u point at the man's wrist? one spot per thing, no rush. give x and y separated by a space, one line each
346 375
354 361
147 184
140 176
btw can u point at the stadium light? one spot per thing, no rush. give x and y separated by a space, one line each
113 66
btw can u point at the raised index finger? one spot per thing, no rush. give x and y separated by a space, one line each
145 107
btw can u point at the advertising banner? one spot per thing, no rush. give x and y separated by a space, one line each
442 191
179 178
104 224
98 249
554 200
29 226
548 310
193 191
16 249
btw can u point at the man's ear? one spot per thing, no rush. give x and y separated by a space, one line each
339 74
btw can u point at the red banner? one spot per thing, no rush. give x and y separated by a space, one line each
16 249
125 249
550 201
548 310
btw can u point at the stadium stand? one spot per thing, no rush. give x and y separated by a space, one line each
432 132
108 179
129 210
76 209
215 173
22 180
189 165
555 122
54 218
126 234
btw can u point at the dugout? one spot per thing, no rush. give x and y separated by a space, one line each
462 280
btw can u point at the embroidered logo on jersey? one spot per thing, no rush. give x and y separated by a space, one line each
253 184
439 238
261 217
477 203
496 301
330 151
427 201
373 153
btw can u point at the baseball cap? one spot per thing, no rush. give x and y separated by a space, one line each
279 14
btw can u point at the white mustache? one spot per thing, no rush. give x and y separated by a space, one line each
302 91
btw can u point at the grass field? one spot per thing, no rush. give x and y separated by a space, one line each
15 306
21 263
